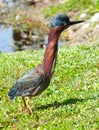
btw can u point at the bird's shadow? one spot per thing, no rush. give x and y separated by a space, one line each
57 104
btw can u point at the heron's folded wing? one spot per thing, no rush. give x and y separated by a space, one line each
27 84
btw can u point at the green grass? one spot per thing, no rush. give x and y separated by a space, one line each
73 6
71 102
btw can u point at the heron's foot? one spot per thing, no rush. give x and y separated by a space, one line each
30 110
27 109
27 106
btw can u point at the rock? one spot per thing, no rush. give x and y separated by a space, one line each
86 25
2 4
62 1
97 26
95 18
83 15
26 40
17 17
35 38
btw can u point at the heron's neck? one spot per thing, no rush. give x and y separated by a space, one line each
50 56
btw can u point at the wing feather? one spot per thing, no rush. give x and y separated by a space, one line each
27 84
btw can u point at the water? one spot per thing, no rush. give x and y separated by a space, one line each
6 39
11 3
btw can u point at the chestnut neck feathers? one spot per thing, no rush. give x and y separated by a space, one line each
50 56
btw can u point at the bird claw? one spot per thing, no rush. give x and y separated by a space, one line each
26 109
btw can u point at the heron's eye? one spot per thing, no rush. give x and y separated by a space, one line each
65 24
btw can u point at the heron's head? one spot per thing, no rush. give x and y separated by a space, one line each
62 20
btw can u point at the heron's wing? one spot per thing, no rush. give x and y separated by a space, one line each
31 78
27 84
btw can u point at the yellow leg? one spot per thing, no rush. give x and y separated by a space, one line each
24 102
27 105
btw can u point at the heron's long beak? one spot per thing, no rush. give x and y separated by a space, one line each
75 22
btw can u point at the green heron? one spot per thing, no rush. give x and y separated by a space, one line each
37 80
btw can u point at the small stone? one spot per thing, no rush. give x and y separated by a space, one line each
83 15
17 17
2 4
97 26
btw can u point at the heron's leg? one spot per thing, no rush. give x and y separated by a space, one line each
24 101
28 106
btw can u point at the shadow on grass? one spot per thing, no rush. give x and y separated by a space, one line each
65 102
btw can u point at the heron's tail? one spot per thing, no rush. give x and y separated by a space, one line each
13 92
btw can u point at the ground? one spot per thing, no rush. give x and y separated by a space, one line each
70 102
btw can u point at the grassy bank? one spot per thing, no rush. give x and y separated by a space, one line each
70 102
75 7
